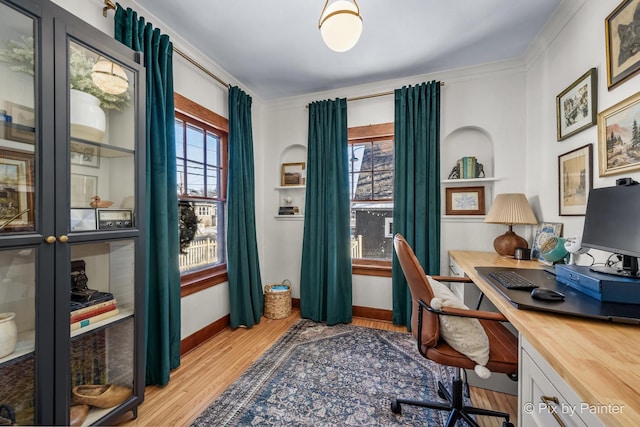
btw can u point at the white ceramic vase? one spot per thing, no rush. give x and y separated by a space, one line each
88 120
8 333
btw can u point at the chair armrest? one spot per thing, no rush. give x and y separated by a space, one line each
461 312
452 279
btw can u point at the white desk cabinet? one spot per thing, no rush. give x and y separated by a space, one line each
544 399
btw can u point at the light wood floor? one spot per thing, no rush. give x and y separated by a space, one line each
209 369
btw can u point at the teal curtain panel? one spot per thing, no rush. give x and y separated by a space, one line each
416 197
325 278
163 274
243 266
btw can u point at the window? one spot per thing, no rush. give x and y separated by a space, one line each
371 190
201 159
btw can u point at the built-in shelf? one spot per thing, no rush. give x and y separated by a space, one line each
290 187
289 217
469 180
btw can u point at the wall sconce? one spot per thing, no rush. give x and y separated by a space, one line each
340 24
109 77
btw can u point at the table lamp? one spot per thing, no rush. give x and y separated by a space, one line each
510 209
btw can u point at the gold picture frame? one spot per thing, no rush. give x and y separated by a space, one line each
617 151
293 174
577 105
17 191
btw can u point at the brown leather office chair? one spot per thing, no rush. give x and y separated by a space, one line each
425 326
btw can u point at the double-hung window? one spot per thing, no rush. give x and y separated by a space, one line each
201 159
371 190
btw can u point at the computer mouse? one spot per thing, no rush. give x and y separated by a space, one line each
546 294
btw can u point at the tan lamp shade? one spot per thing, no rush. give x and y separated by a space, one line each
510 209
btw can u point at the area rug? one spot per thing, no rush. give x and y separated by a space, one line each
343 375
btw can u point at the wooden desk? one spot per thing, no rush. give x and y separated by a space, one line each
599 360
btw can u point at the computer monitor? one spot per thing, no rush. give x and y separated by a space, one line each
611 224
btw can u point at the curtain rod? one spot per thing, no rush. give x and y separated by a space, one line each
110 6
373 95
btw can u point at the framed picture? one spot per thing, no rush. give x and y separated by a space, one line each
575 179
464 201
619 137
545 230
83 188
23 123
577 105
17 191
623 56
82 219
85 154
293 174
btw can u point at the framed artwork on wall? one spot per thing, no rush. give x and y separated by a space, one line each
464 201
575 179
621 32
577 105
619 137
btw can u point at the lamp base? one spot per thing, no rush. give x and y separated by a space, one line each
506 244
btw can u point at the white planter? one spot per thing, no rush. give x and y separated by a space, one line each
88 120
8 334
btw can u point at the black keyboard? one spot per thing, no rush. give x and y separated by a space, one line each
513 280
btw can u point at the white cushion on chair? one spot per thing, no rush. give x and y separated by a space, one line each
463 334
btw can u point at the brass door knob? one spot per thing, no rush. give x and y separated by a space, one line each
50 239
63 239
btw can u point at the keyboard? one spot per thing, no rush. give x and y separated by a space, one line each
513 280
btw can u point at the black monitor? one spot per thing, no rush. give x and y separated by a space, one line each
612 224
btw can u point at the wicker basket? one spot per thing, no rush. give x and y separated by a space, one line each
277 303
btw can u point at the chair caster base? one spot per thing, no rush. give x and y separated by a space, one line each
395 407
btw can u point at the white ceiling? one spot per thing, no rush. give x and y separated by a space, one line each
274 48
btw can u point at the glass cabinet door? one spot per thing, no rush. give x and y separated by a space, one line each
102 233
18 243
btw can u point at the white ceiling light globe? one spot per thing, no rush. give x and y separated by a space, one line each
341 25
110 77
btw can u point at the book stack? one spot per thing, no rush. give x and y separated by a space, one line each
101 306
467 167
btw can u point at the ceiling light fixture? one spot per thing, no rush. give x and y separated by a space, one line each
109 76
340 24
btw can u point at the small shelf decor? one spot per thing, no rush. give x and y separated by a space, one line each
293 174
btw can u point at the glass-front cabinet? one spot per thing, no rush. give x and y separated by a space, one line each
71 220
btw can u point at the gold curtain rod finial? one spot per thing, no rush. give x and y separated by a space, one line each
108 4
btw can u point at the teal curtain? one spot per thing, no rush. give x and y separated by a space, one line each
243 266
416 196
325 279
162 239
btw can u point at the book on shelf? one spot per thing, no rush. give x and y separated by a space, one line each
287 210
97 310
93 307
97 297
95 319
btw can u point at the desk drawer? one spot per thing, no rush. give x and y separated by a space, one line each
545 400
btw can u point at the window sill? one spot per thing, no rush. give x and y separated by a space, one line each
367 267
191 283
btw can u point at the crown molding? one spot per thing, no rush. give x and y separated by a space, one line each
563 14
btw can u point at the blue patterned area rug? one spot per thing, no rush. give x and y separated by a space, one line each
344 375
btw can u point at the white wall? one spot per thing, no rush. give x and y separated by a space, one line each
579 46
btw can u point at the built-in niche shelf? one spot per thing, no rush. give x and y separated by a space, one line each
295 194
469 180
